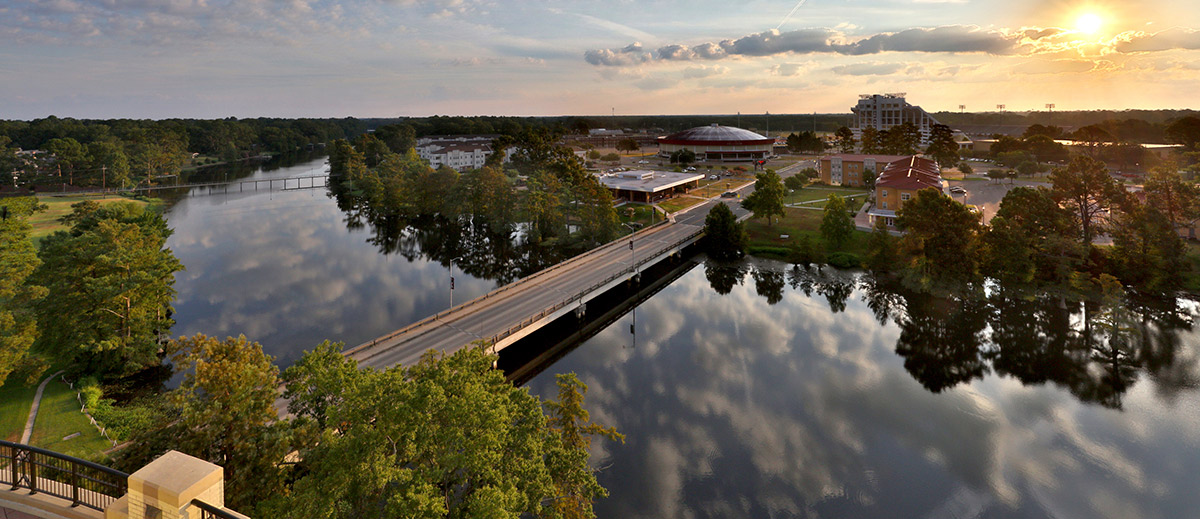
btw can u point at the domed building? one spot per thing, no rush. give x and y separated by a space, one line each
716 142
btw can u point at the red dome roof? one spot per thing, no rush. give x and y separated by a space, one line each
715 135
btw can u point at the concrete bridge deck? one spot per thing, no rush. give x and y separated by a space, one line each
506 314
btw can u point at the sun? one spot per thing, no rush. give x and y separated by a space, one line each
1089 23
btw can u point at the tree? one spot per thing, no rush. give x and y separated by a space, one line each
836 224
18 260
869 177
1179 200
724 236
1085 187
942 146
767 199
881 248
965 168
1046 149
110 281
940 240
1030 239
1037 130
597 217
576 489
225 414
844 140
1027 168
611 157
107 161
902 139
871 141
1185 131
399 138
1147 249
805 142
628 144
446 437
794 182
683 157
593 155
68 154
317 382
1094 137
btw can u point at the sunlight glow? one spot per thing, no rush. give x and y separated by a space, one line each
1089 23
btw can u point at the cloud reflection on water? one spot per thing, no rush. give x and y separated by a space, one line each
732 406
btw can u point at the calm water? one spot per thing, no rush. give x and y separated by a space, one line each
763 391
283 268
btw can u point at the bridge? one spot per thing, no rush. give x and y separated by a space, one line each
225 186
509 313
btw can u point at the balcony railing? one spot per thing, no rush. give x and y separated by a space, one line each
79 481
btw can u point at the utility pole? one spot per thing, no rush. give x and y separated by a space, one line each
104 177
962 109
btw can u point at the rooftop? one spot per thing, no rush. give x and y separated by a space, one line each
647 181
716 133
911 173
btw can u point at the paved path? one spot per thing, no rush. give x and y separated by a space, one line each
33 409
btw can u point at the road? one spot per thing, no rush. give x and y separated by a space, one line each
520 301
695 214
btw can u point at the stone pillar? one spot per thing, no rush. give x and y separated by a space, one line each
165 488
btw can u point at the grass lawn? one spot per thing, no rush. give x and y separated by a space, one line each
59 417
643 214
46 222
679 203
15 399
797 223
812 194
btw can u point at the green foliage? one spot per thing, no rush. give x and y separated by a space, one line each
869 177
871 141
110 281
1185 131
809 173
836 224
593 155
844 260
942 146
794 182
902 139
1147 250
940 243
446 437
225 414
844 140
683 157
767 199
317 382
881 248
1086 188
1030 240
724 236
628 145
611 157
18 292
805 142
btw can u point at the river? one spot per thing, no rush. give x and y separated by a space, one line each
762 390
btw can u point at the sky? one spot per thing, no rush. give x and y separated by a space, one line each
389 58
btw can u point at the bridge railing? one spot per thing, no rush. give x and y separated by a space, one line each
493 294
79 481
579 296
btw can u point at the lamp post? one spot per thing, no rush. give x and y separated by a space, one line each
632 257
452 260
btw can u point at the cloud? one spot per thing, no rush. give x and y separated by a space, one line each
1058 66
868 69
946 39
631 54
1170 39
786 69
703 71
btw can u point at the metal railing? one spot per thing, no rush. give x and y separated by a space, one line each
79 481
493 294
208 511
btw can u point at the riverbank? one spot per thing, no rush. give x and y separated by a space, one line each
45 223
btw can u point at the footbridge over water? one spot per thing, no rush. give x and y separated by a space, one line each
513 311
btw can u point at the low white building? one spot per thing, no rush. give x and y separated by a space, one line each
460 152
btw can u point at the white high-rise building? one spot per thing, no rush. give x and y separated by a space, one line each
883 111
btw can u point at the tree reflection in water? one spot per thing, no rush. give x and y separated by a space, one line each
722 277
1096 348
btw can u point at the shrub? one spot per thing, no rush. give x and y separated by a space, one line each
844 260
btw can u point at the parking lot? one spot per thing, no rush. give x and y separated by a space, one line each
987 194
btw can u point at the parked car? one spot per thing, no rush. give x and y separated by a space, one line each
714 177
958 190
729 194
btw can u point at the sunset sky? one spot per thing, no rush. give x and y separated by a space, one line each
386 58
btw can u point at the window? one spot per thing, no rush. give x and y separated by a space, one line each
885 204
883 194
904 196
